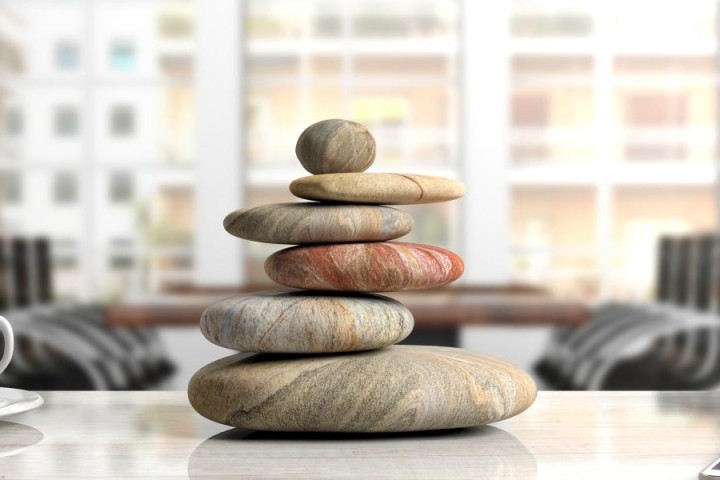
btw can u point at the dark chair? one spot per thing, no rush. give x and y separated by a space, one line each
69 346
672 343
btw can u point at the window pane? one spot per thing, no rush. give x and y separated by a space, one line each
122 56
66 121
553 217
421 20
65 188
176 24
642 216
173 216
66 56
145 125
13 122
122 121
12 59
176 65
67 277
567 275
671 23
552 19
667 107
121 187
11 188
552 125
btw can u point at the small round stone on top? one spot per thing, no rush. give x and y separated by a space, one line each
335 146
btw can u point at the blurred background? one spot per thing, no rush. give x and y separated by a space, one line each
585 132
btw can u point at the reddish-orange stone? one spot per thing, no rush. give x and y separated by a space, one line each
364 267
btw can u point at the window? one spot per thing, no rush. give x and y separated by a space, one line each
121 187
122 56
11 188
95 121
66 121
13 122
176 65
611 147
12 60
67 56
121 262
122 121
65 188
175 26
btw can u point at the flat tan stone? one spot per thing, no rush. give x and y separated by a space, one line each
394 389
377 188
306 322
312 222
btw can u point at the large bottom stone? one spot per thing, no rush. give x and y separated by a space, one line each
395 389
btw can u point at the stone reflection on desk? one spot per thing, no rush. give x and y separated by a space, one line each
344 374
479 453
16 438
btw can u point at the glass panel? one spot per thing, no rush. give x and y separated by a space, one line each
548 67
409 19
122 121
44 123
276 19
65 188
569 276
172 218
399 66
642 216
121 187
324 66
326 102
667 108
13 124
273 67
53 127
67 56
144 39
552 124
176 24
66 122
169 269
146 124
11 191
41 39
50 205
67 275
412 124
122 55
12 59
273 119
545 218
434 224
552 18
675 24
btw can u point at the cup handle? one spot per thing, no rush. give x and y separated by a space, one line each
7 332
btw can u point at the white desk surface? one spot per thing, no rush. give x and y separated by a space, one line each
573 435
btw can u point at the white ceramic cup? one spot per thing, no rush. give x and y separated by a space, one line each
7 333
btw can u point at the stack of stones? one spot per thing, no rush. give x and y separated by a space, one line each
326 356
